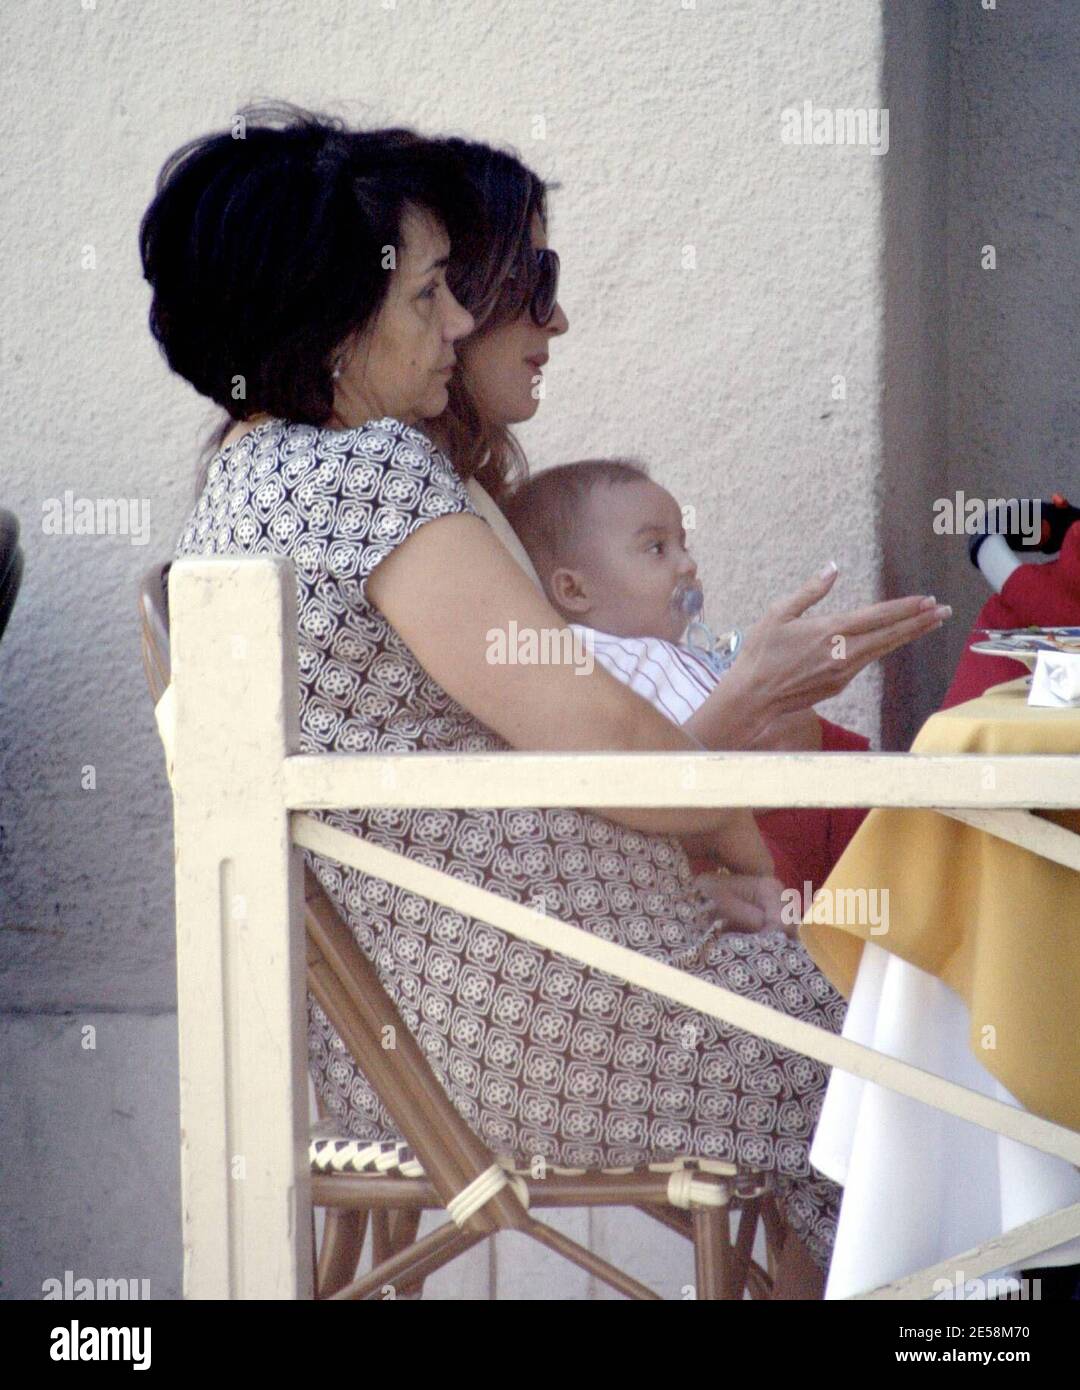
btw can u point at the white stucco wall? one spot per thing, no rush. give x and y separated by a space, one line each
661 120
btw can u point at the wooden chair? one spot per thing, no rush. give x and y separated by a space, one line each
442 1165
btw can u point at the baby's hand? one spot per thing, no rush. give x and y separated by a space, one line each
746 902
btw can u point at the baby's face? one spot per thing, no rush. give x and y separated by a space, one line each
632 560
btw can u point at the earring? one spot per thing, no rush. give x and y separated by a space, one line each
336 370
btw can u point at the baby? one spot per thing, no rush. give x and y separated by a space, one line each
610 549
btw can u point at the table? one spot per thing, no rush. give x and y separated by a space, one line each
976 978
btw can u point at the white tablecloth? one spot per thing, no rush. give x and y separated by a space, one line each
920 1185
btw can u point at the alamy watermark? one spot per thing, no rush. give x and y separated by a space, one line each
837 907
75 1343
546 646
73 1288
844 125
961 515
1008 1286
97 516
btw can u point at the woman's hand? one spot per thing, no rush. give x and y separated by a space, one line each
746 902
797 660
735 842
792 659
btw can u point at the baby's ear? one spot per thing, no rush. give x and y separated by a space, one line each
568 591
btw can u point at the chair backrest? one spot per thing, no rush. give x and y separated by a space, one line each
352 996
11 566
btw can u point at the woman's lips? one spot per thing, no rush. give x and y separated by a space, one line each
536 362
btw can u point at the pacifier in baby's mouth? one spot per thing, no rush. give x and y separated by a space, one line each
718 652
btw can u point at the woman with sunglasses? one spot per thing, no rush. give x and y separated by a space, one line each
507 276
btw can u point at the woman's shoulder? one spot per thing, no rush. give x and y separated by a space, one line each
356 476
387 438
289 485
325 457
386 441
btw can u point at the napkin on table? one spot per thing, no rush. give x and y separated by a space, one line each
1056 683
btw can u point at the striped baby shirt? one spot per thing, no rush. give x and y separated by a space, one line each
668 675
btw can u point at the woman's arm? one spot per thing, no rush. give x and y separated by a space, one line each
455 595
458 601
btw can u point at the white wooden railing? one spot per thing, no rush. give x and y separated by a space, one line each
240 792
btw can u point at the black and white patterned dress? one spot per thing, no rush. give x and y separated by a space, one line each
540 1055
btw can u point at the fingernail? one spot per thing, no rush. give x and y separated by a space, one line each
830 569
928 603
943 611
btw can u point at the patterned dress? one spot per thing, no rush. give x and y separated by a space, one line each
539 1054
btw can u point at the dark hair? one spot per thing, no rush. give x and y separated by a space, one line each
546 510
266 247
508 193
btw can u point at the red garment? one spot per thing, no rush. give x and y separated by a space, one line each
804 842
1044 595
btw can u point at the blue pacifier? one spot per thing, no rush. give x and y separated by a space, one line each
718 653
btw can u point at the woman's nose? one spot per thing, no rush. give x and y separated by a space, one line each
558 323
459 322
688 566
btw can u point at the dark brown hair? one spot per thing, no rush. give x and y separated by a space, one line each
481 263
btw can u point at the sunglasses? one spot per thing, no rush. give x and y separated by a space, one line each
544 293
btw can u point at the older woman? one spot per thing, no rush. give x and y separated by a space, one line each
300 281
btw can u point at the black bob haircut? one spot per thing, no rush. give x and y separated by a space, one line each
266 249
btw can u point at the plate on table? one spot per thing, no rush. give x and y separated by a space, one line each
1025 643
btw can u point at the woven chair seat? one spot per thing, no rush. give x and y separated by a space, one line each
336 1153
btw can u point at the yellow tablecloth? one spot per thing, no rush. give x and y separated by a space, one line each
996 923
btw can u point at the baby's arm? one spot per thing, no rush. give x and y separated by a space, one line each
791 733
660 673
